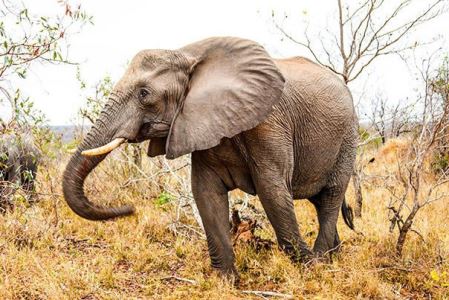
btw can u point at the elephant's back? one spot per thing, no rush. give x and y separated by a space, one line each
19 147
315 81
7 144
314 96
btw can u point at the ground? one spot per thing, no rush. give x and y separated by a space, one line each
47 252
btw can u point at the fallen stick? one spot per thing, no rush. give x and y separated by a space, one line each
268 294
191 281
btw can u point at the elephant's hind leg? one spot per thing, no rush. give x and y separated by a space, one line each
330 199
278 204
272 172
328 203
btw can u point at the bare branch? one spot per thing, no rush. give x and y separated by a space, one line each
367 41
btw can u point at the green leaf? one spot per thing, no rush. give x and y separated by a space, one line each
163 198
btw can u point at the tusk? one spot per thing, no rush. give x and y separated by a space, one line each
104 149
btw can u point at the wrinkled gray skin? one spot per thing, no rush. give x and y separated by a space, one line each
283 129
18 163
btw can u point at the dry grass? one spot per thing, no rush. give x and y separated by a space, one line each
47 252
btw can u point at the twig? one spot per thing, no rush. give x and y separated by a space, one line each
191 281
265 294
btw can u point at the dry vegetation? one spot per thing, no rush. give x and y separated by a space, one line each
47 252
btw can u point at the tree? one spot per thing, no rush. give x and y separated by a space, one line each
95 101
390 120
365 32
26 39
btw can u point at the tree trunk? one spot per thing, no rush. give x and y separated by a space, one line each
403 231
358 193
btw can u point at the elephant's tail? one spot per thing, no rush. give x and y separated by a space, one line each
348 215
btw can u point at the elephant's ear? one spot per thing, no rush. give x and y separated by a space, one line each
233 87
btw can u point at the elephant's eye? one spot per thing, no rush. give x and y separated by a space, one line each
143 93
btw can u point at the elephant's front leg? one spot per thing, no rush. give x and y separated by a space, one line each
211 197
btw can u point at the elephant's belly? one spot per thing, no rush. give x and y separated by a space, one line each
241 179
230 166
306 191
311 175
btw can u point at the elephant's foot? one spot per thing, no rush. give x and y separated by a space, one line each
325 251
301 254
337 244
304 256
323 247
230 274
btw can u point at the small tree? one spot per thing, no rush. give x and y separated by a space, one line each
432 129
95 100
26 39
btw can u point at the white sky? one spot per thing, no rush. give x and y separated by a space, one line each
122 28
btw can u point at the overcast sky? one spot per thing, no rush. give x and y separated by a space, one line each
122 28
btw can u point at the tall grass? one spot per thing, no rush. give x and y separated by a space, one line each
47 252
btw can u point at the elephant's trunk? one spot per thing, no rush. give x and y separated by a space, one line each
79 168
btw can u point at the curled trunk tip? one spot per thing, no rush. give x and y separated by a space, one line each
75 173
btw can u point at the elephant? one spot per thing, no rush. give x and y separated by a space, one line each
19 159
281 129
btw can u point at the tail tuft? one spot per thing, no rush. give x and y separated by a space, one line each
348 215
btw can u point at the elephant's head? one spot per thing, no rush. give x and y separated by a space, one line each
181 100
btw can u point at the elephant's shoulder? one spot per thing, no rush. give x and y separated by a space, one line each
301 68
301 71
297 62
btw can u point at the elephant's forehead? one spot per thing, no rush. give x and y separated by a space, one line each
135 76
154 58
150 62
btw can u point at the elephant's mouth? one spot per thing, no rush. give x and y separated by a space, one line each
153 129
